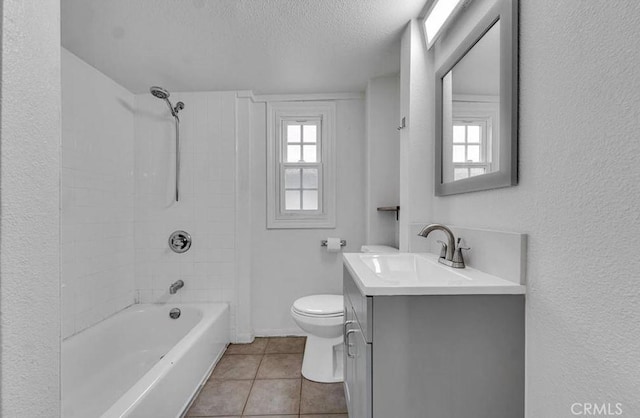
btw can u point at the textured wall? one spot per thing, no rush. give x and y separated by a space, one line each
289 263
416 172
383 159
207 205
96 208
578 200
29 216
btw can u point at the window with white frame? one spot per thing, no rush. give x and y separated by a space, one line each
471 153
300 165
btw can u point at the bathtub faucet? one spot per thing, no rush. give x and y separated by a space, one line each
175 286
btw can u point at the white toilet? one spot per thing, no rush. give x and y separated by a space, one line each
322 317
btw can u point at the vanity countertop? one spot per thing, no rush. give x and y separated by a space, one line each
420 274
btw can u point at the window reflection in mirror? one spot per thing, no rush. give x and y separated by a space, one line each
471 111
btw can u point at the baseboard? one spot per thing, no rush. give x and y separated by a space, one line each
280 332
245 338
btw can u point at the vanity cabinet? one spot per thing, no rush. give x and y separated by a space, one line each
440 356
357 366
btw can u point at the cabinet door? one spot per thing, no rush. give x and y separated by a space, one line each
349 362
360 355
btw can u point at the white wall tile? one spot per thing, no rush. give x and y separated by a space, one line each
97 185
206 209
118 173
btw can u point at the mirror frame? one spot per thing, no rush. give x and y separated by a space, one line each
506 11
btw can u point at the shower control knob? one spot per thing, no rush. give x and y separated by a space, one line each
180 241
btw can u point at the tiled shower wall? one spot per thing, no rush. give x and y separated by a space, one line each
207 198
97 187
117 199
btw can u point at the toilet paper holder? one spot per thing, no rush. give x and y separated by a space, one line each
343 243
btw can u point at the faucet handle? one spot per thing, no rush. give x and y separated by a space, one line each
458 259
443 249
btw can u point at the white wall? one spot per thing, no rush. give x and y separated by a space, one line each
578 200
96 208
289 263
416 103
207 204
29 215
383 159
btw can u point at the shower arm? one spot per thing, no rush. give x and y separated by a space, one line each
171 109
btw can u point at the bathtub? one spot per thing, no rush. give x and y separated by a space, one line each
141 363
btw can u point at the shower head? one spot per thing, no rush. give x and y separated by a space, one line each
159 92
163 94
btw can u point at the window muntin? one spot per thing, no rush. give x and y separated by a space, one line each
302 188
301 138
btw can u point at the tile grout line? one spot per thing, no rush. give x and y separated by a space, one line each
263 354
300 403
246 402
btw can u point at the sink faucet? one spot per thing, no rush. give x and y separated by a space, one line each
175 286
450 255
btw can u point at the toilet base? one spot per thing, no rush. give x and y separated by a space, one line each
323 359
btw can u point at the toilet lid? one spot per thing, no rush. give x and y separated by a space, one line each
320 305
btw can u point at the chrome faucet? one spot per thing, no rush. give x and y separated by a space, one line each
449 254
175 286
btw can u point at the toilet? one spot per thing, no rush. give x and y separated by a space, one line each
322 318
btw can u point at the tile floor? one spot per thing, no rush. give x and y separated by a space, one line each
263 379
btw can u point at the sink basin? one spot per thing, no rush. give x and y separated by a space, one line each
411 268
420 274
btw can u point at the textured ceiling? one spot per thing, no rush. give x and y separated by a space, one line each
269 46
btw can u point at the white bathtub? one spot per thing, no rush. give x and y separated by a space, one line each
141 363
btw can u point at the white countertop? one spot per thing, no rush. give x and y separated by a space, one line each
421 274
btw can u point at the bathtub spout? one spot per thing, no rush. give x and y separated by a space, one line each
175 286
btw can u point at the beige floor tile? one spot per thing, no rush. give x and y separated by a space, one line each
274 396
280 366
256 347
221 398
322 398
237 367
286 345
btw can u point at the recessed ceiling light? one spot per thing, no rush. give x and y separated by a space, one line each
437 17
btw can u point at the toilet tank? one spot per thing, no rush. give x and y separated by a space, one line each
378 249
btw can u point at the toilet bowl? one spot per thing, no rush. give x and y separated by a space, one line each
322 317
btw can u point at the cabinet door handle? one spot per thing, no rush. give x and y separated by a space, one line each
347 343
344 330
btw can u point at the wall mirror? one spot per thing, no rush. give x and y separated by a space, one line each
477 107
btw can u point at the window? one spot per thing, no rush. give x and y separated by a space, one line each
439 15
469 148
300 165
471 156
